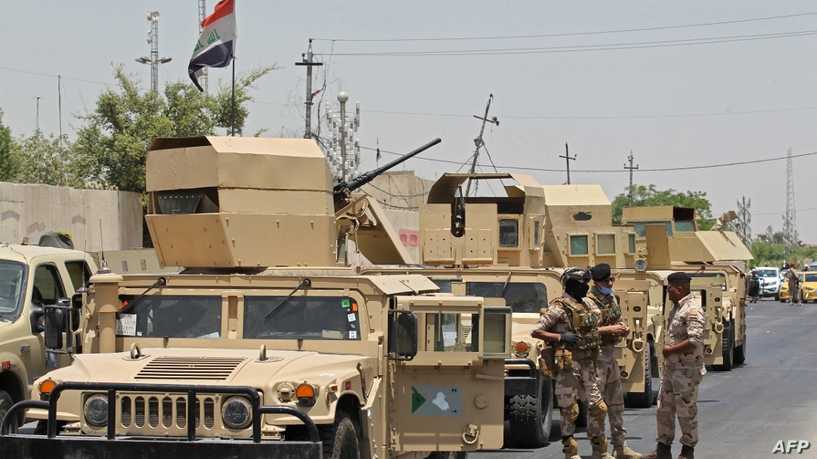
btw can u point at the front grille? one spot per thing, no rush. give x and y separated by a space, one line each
199 368
167 413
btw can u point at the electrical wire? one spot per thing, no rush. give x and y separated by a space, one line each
616 171
583 48
53 75
580 33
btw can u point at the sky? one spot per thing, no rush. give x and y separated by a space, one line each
672 106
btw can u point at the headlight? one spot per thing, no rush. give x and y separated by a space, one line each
96 410
236 413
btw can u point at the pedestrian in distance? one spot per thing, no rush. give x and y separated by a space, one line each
611 330
682 372
570 325
754 287
793 280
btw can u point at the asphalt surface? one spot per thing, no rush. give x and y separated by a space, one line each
745 412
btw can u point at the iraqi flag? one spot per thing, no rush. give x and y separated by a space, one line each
216 43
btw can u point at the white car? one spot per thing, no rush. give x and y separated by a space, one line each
769 277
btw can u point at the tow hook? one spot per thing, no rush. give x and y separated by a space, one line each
471 434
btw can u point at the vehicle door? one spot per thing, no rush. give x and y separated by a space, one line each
710 291
47 286
632 352
78 272
449 397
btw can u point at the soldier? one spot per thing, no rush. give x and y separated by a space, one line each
570 323
793 280
683 370
611 330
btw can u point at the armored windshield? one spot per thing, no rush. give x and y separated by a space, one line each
171 316
301 317
12 280
519 296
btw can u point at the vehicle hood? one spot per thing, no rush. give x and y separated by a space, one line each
234 367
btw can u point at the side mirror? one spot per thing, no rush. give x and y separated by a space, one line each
56 323
37 318
402 335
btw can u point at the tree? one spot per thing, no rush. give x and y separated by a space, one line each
9 154
649 195
44 160
111 148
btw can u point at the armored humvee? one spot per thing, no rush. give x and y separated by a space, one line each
31 277
264 346
514 248
716 260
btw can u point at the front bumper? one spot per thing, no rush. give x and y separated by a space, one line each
71 447
112 446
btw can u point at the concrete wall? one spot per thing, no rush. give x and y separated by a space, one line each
28 211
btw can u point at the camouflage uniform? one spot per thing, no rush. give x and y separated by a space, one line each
576 378
608 373
682 373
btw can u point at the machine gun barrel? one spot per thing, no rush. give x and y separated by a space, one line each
366 177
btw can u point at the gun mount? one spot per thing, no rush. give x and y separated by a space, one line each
343 189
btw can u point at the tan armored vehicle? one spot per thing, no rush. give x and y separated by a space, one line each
32 277
717 261
264 346
514 248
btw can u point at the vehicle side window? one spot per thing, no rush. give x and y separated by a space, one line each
79 272
47 285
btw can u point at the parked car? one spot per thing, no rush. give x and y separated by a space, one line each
808 288
769 281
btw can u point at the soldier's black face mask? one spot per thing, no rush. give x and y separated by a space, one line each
576 289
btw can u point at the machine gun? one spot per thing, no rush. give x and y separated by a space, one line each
343 189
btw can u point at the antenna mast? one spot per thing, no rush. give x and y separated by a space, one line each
308 62
479 142
790 218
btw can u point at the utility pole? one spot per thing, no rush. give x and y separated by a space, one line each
59 107
37 114
308 62
342 98
568 158
745 220
153 60
790 218
630 168
202 76
479 142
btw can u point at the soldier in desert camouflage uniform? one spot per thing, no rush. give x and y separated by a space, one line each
570 324
611 329
683 370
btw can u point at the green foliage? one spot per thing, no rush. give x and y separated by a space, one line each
110 149
768 253
649 195
9 154
44 160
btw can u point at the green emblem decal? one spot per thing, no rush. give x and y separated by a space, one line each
417 400
345 303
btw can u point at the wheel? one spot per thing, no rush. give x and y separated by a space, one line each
740 352
531 418
449 455
643 399
728 340
341 441
6 402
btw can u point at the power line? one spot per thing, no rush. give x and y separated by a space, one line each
52 75
575 34
611 171
584 48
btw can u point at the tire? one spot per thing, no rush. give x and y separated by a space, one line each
740 352
531 418
728 340
341 441
450 455
642 399
6 402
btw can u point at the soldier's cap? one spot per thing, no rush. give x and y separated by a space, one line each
600 272
679 278
580 274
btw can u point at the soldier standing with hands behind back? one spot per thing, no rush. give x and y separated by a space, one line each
570 324
683 370
611 330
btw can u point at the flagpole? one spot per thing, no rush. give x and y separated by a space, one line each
232 103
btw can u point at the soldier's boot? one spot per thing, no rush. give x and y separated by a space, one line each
624 452
600 448
687 452
570 448
662 451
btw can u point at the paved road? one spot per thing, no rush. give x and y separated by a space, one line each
742 413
